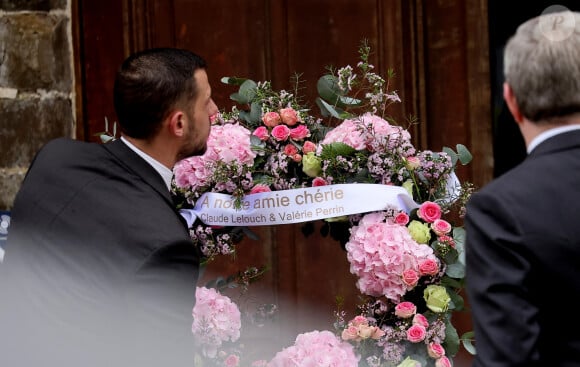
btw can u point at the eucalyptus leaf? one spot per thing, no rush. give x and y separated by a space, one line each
232 80
328 89
451 343
464 155
451 154
456 270
248 89
255 112
467 341
331 110
457 300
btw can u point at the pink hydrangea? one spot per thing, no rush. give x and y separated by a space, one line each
230 143
369 132
348 132
316 348
382 135
379 252
193 173
216 319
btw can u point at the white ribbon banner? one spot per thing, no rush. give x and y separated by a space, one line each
297 205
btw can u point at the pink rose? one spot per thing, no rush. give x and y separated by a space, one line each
319 181
262 133
410 277
260 188
435 350
300 132
429 211
281 132
350 333
308 147
428 267
271 119
420 319
441 227
297 157
443 362
359 320
405 309
289 116
447 240
290 150
232 361
412 163
416 333
402 218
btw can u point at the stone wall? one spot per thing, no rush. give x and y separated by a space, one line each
36 84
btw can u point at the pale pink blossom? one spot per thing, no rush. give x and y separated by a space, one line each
290 149
281 132
435 350
443 362
260 188
428 267
429 211
402 218
271 119
232 361
308 147
297 157
410 277
299 133
319 181
441 227
316 348
447 240
216 319
230 143
262 133
416 333
420 319
379 252
405 309
289 116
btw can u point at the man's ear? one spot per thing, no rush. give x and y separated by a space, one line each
177 123
512 103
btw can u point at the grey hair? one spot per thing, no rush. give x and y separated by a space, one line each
542 66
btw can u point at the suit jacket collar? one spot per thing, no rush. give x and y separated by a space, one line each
563 141
132 162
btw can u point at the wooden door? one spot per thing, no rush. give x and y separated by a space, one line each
438 50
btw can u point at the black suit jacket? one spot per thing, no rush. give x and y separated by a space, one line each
523 260
99 267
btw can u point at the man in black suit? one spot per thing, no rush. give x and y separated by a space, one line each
99 268
523 232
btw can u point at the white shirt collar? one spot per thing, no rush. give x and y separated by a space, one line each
166 173
549 133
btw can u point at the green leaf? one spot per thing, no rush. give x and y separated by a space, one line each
349 101
255 112
328 89
246 93
336 149
456 270
232 80
459 238
451 343
467 341
452 154
457 300
464 155
328 110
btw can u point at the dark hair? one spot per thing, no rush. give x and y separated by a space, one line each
149 84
